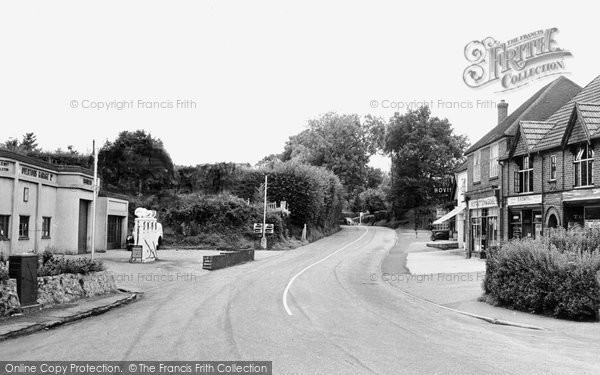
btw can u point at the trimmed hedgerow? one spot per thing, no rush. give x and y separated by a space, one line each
535 276
314 195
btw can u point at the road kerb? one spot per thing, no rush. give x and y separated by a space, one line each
476 316
36 327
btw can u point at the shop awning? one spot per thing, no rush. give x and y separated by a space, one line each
450 215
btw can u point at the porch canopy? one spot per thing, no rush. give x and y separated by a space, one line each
450 215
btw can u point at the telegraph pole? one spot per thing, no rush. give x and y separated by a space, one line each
263 240
95 187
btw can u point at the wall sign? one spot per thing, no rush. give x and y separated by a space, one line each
5 166
36 173
524 199
483 203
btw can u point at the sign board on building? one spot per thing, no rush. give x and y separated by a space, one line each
36 173
524 200
483 203
439 212
5 166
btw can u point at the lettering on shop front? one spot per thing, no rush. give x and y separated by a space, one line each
26 171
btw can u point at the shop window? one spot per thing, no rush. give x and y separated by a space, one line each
494 160
523 182
24 227
477 166
46 221
553 167
584 166
4 221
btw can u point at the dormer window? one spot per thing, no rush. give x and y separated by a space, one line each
524 176
584 166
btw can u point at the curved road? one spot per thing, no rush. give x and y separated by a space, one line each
340 319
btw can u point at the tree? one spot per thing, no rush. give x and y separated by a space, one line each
136 162
29 143
372 200
342 144
424 150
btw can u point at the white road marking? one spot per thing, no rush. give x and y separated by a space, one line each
287 288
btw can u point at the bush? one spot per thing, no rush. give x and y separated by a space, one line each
537 277
3 272
59 265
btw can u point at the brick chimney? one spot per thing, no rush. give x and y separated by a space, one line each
502 110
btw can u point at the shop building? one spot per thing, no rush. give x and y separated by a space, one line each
552 168
488 174
49 207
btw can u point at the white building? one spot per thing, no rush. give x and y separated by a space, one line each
44 206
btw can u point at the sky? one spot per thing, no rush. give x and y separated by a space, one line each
232 80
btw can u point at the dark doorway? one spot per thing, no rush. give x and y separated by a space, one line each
552 221
114 232
83 226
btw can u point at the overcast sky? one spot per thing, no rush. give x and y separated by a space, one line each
256 71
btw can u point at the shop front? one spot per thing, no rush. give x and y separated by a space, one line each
582 208
484 215
525 216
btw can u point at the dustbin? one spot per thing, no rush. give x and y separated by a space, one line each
23 267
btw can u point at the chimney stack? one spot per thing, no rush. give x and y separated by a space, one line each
502 110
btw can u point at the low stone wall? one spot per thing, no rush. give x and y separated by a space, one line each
227 259
67 287
9 300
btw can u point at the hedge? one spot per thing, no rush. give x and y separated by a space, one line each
314 195
535 276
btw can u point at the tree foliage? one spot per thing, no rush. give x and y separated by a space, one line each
342 144
136 162
424 150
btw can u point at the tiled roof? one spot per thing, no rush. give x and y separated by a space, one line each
590 115
589 94
533 132
538 107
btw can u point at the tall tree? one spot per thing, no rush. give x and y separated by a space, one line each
424 150
136 162
341 143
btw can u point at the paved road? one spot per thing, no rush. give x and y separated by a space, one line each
342 322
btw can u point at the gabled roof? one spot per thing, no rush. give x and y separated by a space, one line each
532 132
587 99
538 107
589 114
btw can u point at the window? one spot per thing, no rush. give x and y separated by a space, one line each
477 166
4 220
46 221
553 167
584 166
26 194
24 227
524 176
494 160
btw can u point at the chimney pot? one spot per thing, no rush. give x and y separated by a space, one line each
502 110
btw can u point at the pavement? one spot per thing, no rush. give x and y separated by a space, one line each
34 321
448 279
319 309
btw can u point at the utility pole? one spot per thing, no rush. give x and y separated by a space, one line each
263 240
95 188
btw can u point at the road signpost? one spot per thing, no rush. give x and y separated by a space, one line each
263 240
